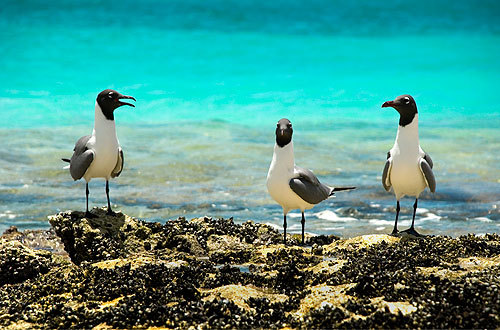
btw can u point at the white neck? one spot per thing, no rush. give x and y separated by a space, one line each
283 157
103 127
408 136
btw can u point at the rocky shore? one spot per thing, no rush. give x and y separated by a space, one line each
121 272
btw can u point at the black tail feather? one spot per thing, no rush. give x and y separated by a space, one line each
65 160
343 188
340 189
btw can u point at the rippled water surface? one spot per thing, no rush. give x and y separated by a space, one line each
211 79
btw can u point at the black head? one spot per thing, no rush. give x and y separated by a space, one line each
406 106
109 101
284 132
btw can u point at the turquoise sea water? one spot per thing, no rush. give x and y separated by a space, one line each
212 78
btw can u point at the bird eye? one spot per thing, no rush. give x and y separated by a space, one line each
110 95
407 99
289 125
278 125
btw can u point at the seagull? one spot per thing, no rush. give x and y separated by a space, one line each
408 169
99 155
291 186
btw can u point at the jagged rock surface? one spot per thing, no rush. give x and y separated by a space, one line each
214 273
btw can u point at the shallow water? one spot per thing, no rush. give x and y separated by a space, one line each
211 80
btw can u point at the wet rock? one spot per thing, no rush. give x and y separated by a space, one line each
19 263
12 230
214 273
243 296
228 249
322 240
92 239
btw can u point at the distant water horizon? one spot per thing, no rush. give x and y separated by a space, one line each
212 78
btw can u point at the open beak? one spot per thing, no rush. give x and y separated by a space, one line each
125 103
388 104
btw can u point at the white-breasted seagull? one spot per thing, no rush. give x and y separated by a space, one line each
408 169
289 185
99 155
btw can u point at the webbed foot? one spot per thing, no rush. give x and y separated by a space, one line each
413 232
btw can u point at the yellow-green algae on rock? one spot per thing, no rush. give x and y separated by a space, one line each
239 294
213 273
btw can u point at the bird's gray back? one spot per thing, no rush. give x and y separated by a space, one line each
308 187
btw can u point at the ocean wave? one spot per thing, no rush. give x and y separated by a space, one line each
334 228
483 219
332 216
379 222
429 217
421 210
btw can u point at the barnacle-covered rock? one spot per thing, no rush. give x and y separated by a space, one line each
19 263
215 273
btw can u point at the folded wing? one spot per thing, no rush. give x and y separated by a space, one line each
429 160
308 187
386 179
81 159
119 164
426 169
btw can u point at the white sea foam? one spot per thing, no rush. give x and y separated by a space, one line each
379 222
422 210
483 219
429 216
334 228
404 223
8 215
332 216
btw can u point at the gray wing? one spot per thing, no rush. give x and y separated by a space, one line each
386 180
429 160
81 159
308 187
426 169
119 165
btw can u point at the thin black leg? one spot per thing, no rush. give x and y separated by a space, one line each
87 212
303 222
87 196
284 229
414 211
110 211
412 230
395 230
